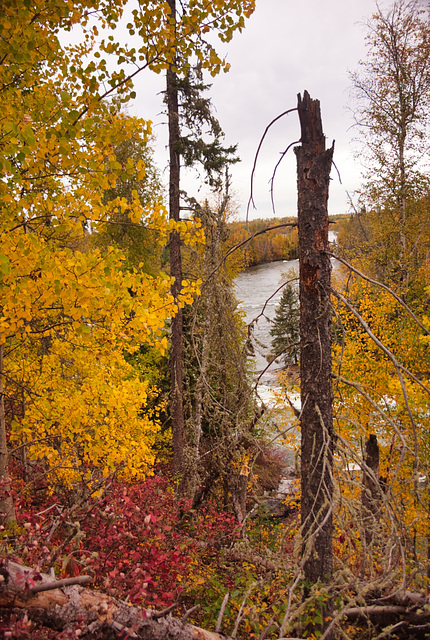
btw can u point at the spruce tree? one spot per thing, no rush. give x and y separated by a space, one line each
285 329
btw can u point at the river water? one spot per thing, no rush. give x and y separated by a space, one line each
258 290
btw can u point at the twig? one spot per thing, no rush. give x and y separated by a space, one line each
242 606
266 629
272 179
251 197
57 551
156 615
397 365
221 613
243 242
385 633
189 612
58 584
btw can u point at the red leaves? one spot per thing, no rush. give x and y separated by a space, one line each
26 579
137 554
138 542
145 544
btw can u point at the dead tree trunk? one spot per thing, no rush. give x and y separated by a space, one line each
371 492
313 170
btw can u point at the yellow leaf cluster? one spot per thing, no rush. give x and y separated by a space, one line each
69 313
176 41
383 393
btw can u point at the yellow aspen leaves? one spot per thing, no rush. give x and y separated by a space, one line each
70 313
384 393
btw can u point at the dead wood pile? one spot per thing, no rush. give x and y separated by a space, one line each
60 604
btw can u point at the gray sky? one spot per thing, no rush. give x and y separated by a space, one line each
286 47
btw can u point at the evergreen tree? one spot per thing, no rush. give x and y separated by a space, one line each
285 330
187 109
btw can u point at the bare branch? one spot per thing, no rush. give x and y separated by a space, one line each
58 584
221 613
272 179
383 286
251 197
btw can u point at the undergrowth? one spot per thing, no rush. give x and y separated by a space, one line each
141 545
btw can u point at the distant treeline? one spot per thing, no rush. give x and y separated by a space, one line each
279 244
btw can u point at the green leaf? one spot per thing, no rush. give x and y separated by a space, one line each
4 265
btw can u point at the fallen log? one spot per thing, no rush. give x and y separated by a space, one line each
60 604
404 611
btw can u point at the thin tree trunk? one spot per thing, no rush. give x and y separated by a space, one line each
313 169
238 490
428 538
7 509
370 495
193 464
176 358
404 270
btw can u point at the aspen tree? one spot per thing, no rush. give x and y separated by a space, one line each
66 312
392 88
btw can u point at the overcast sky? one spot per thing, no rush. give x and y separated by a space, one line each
286 47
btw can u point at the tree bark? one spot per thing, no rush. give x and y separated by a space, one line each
370 495
7 509
176 356
313 170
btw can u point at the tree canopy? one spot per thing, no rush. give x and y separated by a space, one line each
69 313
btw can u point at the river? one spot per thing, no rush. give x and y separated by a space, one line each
258 292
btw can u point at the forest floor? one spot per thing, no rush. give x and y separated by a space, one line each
139 545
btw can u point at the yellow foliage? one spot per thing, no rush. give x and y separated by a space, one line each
383 393
91 413
68 315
